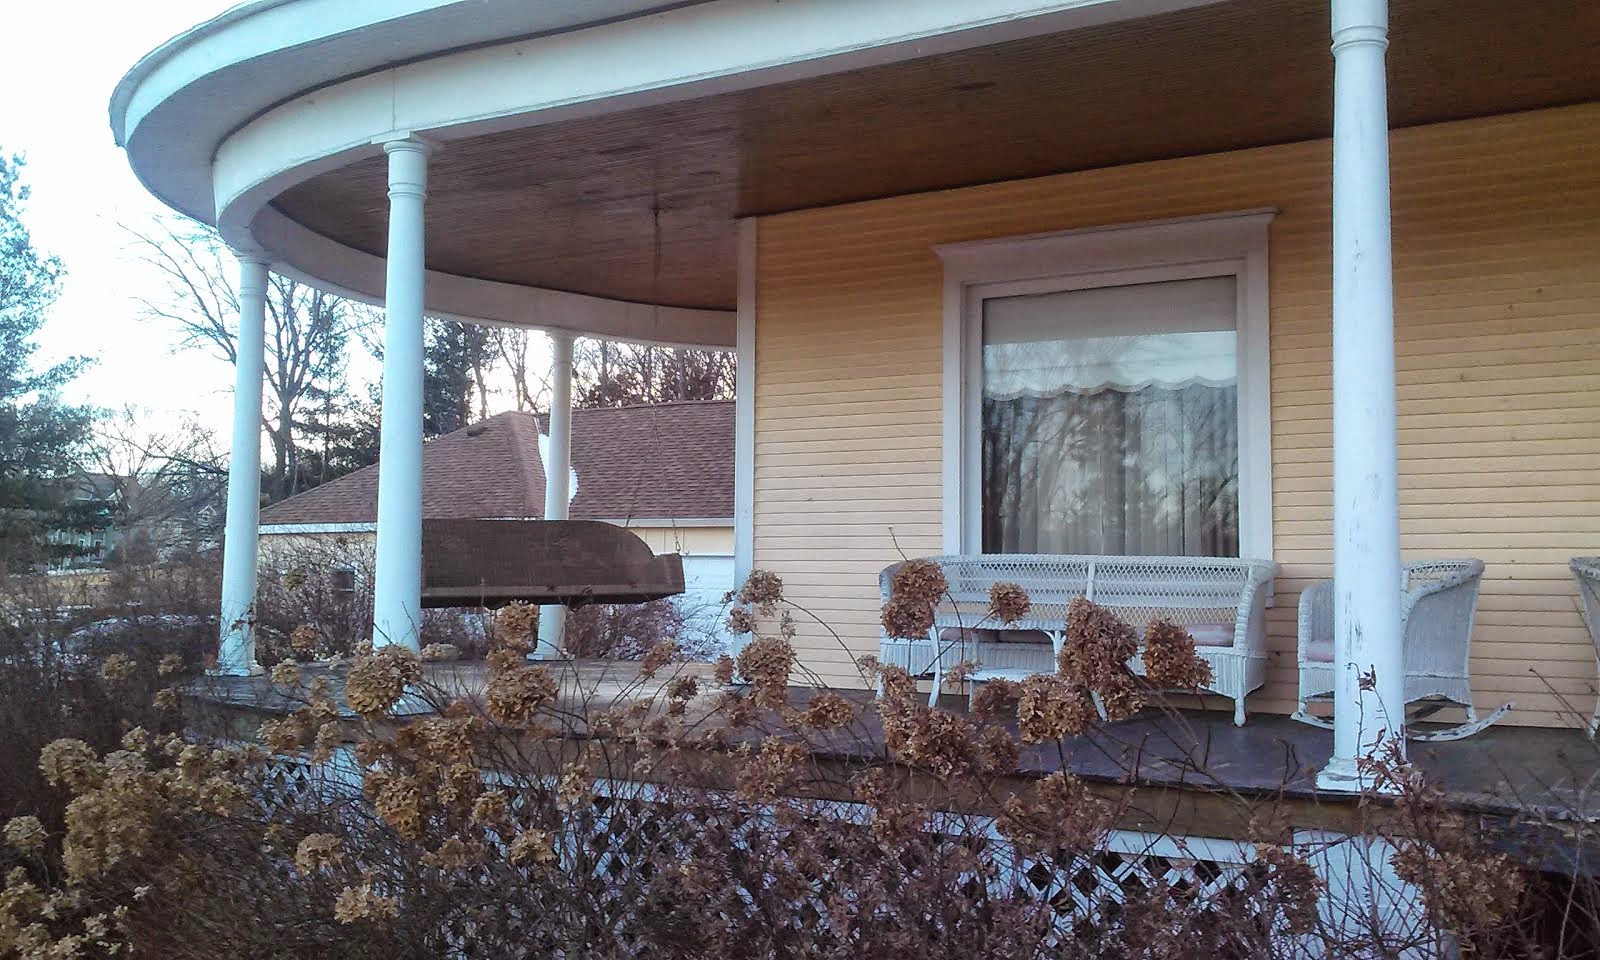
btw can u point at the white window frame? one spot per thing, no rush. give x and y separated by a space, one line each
1230 244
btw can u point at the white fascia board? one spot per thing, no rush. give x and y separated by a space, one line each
303 529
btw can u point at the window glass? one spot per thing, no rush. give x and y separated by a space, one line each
1110 421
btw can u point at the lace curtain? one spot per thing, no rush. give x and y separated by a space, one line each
1110 421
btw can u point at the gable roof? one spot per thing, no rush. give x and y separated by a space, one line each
660 461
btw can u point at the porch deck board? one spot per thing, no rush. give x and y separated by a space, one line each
1553 774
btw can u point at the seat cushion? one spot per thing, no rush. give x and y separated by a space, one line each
1212 634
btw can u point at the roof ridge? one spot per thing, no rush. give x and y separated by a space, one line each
526 460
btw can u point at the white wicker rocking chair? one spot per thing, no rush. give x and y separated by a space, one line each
1438 600
1586 571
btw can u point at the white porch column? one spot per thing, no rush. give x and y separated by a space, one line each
236 657
557 472
1366 510
557 469
397 592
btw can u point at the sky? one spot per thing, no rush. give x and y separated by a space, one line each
72 55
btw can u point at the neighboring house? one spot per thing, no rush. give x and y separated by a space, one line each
664 471
1002 275
148 519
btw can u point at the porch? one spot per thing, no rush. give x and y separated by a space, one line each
834 194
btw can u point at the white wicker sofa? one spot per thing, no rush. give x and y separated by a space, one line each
1221 601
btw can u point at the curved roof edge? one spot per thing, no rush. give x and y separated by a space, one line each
222 118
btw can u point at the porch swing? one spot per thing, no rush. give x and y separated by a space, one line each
490 563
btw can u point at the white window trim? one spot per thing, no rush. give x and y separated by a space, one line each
1230 244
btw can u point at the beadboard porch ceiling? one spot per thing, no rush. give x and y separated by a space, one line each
641 206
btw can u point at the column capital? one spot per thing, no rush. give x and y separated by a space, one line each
407 142
563 338
254 256
1360 22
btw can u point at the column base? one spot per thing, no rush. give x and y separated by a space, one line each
1343 775
253 670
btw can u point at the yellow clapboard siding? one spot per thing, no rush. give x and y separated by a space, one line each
1497 236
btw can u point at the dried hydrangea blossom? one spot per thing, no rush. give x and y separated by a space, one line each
326 741
170 664
454 854
532 847
1055 812
286 673
1050 707
303 639
765 663
514 697
1095 655
401 802
723 670
763 774
993 697
1297 889
318 851
491 808
741 621
166 699
25 834
1008 602
136 739
282 735
576 787
71 763
377 681
1170 660
915 589
117 667
936 740
363 903
516 625
828 711
762 590
441 653
659 655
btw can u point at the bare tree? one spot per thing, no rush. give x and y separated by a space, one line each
308 331
168 483
531 392
611 374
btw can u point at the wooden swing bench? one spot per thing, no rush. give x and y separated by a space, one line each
489 563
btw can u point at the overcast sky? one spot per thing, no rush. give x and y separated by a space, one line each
62 61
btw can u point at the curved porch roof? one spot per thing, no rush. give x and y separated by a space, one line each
596 155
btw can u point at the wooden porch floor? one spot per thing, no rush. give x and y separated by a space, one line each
1505 771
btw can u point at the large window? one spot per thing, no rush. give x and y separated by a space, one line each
1106 392
1110 420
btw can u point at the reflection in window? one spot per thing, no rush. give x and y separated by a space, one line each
1110 421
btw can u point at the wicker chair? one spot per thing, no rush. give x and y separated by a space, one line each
1586 571
1437 602
1221 601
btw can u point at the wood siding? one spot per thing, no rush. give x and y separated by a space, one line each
1497 271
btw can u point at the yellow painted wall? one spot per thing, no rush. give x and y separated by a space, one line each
689 541
1497 268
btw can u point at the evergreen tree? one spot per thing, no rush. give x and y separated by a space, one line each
41 438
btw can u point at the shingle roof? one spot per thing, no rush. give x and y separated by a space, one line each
670 460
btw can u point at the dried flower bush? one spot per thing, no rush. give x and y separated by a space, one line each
513 822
